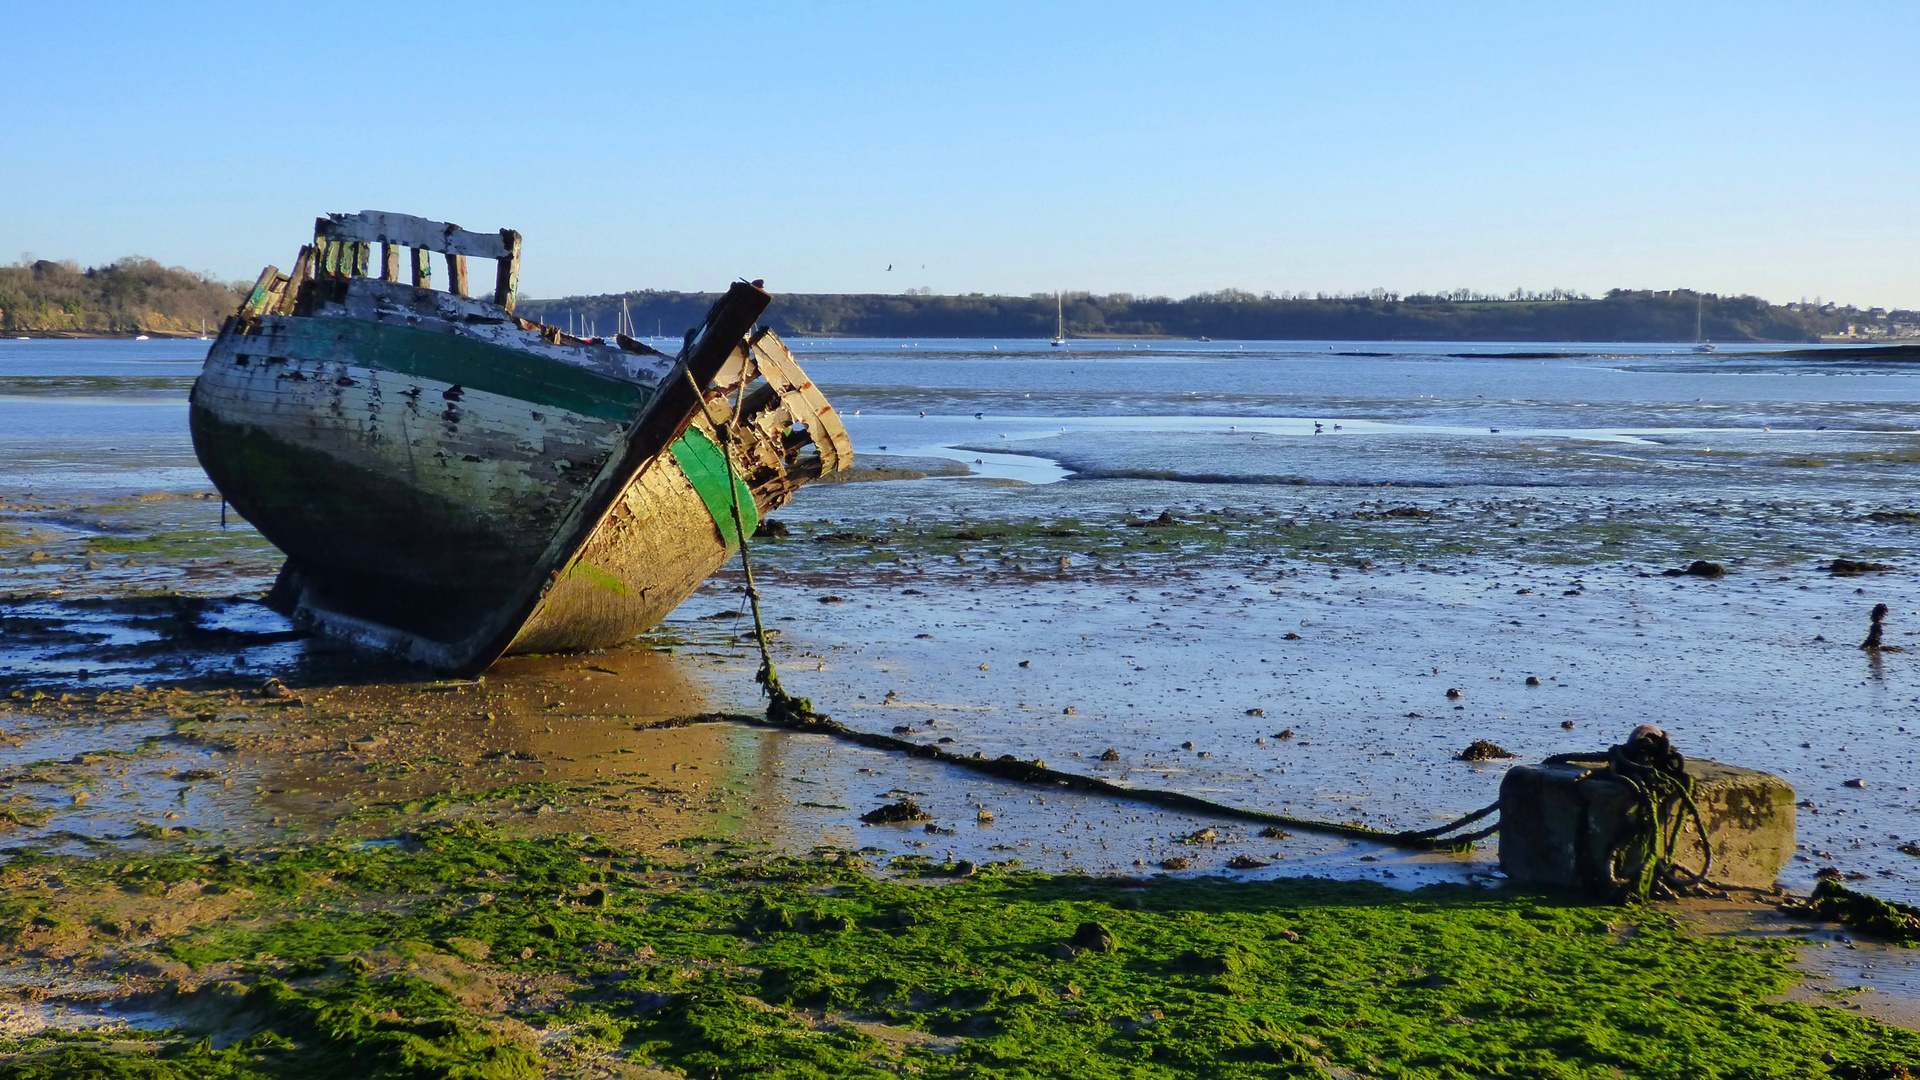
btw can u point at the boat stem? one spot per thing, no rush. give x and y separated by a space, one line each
781 706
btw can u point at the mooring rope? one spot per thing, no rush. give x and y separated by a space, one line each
794 713
768 676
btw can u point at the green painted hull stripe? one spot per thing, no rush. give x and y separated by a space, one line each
472 365
706 466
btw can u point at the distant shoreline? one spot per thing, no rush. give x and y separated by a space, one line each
1620 316
88 335
1835 349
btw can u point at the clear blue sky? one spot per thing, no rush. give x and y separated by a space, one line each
1163 148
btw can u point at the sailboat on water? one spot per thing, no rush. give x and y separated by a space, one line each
1060 322
1699 315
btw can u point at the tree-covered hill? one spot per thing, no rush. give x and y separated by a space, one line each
138 295
1621 315
132 296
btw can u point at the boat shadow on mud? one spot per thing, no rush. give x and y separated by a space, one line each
192 642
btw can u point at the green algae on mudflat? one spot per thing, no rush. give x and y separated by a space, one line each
1364 534
181 544
460 951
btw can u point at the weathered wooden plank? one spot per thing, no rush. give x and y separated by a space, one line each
457 275
658 544
262 288
507 274
338 258
389 262
422 268
783 373
371 300
362 255
454 358
406 230
302 270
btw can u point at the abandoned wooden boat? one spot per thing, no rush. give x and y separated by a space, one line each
454 483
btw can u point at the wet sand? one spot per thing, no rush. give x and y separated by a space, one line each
1058 638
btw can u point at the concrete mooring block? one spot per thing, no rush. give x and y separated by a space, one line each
1560 825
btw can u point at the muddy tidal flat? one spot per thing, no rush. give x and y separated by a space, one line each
1276 577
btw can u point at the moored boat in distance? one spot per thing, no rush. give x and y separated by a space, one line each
1700 343
454 483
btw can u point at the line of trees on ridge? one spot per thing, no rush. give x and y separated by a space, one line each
1379 315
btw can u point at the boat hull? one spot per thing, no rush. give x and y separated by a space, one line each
445 489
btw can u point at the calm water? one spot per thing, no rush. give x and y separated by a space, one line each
1646 417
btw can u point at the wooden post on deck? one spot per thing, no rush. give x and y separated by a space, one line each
302 270
507 275
422 268
456 274
389 262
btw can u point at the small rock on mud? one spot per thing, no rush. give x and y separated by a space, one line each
1482 750
1851 568
896 813
1092 937
1698 568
